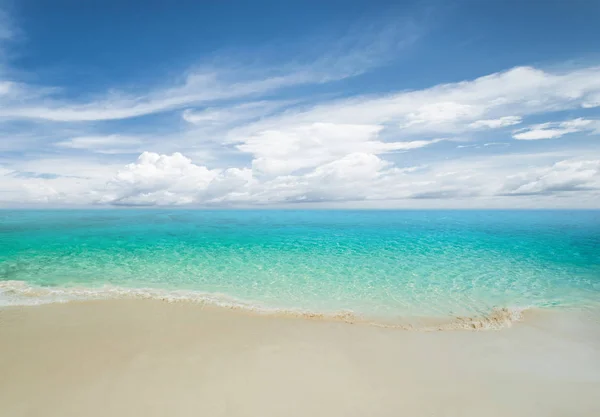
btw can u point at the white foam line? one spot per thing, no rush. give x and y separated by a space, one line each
20 293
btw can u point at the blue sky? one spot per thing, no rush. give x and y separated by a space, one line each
300 104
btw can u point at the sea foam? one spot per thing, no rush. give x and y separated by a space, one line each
20 293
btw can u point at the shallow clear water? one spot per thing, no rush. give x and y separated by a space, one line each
375 263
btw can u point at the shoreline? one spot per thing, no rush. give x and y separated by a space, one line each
25 294
147 357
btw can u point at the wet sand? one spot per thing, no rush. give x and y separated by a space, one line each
151 358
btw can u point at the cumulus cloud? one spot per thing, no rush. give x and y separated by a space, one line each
175 180
290 148
346 179
555 130
158 179
172 180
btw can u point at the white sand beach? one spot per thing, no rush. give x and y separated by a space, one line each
151 358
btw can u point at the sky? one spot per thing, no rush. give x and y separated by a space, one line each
300 104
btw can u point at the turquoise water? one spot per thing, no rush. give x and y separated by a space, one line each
373 263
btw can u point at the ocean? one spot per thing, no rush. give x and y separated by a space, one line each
373 264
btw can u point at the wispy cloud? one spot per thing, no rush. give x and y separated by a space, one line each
8 32
210 83
452 108
7 28
555 130
103 144
496 123
563 176
449 109
196 89
229 116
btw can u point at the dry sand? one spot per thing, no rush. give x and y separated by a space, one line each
150 358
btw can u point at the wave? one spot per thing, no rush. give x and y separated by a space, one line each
20 293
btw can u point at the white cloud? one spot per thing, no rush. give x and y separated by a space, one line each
592 101
555 130
441 113
307 137
451 108
563 176
290 148
349 178
197 88
103 144
164 180
167 180
66 166
359 176
496 123
233 114
536 134
174 180
45 187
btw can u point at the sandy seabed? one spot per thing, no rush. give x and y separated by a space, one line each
151 358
